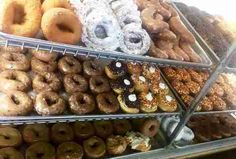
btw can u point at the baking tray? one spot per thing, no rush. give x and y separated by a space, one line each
215 59
38 44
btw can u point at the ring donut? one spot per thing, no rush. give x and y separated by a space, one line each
81 103
92 68
21 18
15 103
49 4
44 55
10 137
121 126
70 150
14 80
99 84
83 130
10 153
69 65
13 49
150 127
75 83
49 103
116 145
62 132
103 128
14 61
41 67
43 149
56 28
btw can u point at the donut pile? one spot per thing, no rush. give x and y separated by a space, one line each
170 38
188 83
64 140
139 88
109 25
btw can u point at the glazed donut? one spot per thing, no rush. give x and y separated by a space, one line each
10 153
56 28
129 102
107 103
115 69
92 68
61 132
83 130
14 61
69 65
121 126
49 4
81 103
15 103
42 149
116 145
14 80
134 68
36 132
10 137
94 147
12 49
150 127
46 82
21 18
70 150
156 52
136 40
103 128
140 83
194 57
44 55
167 35
153 21
142 4
181 53
41 67
75 83
99 84
49 103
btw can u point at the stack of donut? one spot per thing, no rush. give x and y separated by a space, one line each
171 39
139 88
64 140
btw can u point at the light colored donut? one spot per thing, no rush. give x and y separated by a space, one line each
10 137
10 153
44 55
49 4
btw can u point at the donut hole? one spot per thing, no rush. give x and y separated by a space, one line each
93 66
69 151
6 157
62 132
94 145
152 128
70 63
133 38
108 101
82 101
100 32
64 28
98 83
15 99
6 137
39 155
19 14
50 101
76 80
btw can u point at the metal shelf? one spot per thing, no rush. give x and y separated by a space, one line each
31 43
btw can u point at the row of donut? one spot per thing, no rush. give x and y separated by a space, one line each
188 82
112 138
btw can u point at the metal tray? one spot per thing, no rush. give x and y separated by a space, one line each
215 59
38 44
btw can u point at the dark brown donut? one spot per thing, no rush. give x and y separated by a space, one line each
83 130
107 103
41 150
69 65
92 68
99 84
81 103
75 83
121 126
70 150
10 137
10 153
61 132
103 128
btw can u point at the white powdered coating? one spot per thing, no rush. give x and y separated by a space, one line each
141 78
118 64
132 97
149 96
162 85
152 69
169 98
126 82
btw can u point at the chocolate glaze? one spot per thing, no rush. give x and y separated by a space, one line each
117 70
120 84
130 104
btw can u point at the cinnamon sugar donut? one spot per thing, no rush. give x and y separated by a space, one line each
107 103
41 67
99 84
14 61
69 65
92 68
81 103
75 83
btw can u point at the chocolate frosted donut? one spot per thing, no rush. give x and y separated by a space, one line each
69 65
83 130
121 126
129 102
103 128
70 150
41 67
35 133
107 103
61 132
10 153
122 84
92 68
99 84
75 83
115 69
14 61
40 150
46 82
81 103
10 137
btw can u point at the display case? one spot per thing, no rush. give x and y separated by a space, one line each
186 75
